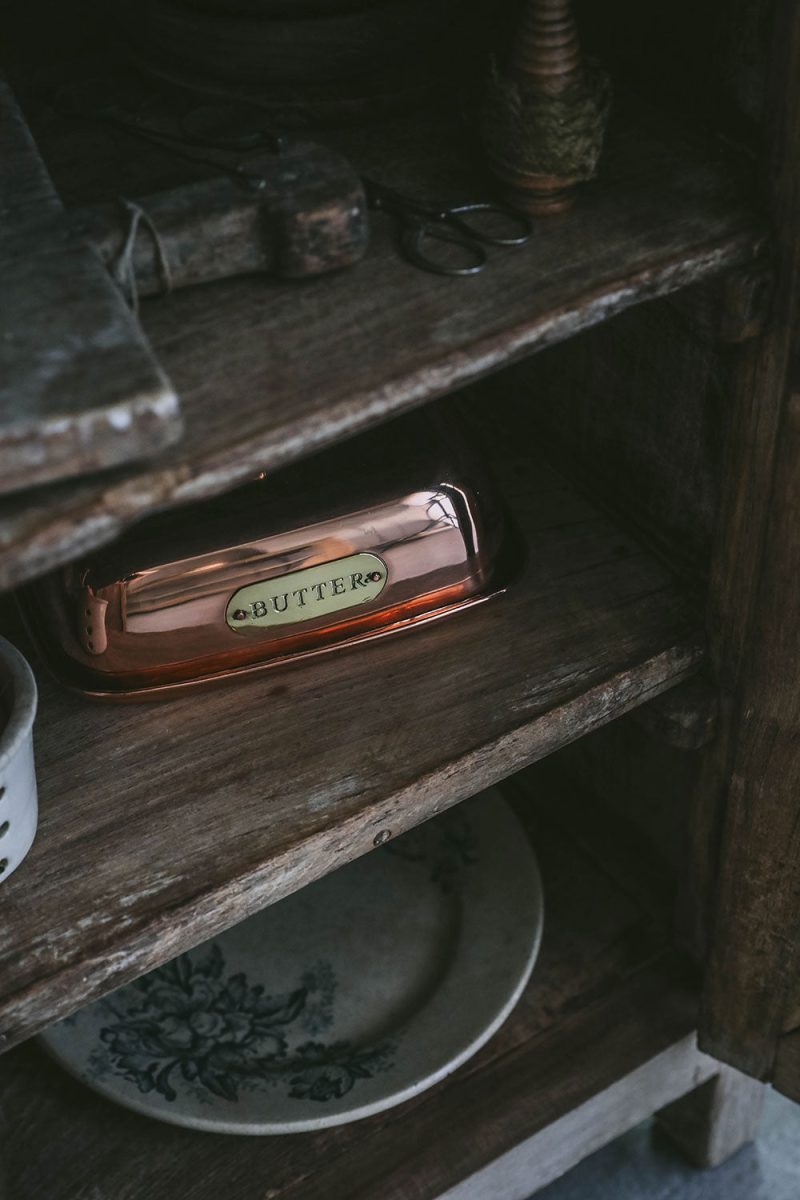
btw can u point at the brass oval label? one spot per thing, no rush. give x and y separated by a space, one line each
302 595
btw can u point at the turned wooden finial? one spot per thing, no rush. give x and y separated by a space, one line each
546 50
545 115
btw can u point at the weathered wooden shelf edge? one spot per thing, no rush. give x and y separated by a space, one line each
158 832
48 527
439 375
210 910
648 231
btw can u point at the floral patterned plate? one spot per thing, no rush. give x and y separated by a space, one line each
344 999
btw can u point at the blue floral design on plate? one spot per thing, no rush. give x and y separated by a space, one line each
221 1036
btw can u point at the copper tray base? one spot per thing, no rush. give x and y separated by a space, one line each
65 672
384 533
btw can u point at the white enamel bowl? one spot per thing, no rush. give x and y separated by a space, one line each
18 799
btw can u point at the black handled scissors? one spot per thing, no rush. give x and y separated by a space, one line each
457 224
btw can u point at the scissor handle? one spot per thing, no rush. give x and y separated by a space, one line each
415 233
458 215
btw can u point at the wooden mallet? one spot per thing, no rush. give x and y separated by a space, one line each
80 388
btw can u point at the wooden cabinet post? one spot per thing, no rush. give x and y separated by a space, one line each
750 788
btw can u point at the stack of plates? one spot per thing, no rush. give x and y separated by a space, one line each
348 997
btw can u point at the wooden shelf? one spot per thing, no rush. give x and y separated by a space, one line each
604 1028
270 371
162 824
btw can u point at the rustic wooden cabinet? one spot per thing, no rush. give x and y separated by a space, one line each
632 372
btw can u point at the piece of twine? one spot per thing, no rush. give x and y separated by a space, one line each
542 134
124 270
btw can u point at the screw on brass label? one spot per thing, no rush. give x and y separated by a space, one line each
313 592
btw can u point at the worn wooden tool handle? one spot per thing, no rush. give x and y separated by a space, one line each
297 214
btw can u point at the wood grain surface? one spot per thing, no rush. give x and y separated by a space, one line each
635 411
748 805
162 824
80 389
606 997
268 371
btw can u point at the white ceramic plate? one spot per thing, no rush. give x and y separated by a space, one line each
344 999
18 801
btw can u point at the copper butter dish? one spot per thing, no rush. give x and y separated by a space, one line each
392 529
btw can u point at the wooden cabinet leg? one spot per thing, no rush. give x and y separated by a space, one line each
717 1119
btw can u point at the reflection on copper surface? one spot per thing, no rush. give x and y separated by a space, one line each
149 613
